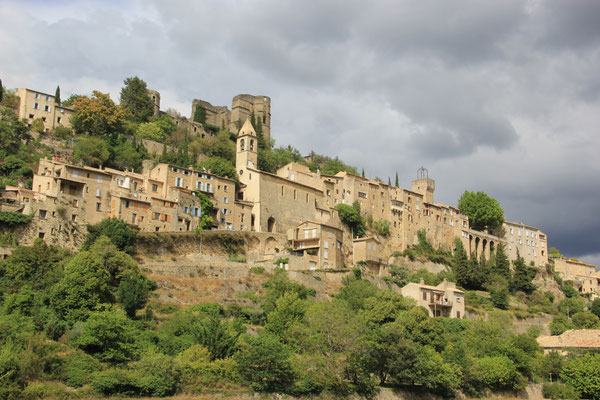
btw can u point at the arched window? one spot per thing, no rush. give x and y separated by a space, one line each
242 144
251 144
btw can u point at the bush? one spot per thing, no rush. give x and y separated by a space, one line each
116 230
155 375
114 382
79 368
559 391
583 374
63 132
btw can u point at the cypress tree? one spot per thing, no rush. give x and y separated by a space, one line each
57 95
460 264
389 181
502 265
363 173
397 182
523 277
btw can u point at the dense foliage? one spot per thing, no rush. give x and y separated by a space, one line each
484 212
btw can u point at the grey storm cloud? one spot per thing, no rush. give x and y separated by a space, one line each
498 96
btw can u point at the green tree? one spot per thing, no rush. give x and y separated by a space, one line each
116 230
499 295
351 217
397 184
264 362
484 212
585 320
216 337
355 292
595 307
126 155
460 265
98 116
109 336
502 264
13 132
219 166
133 293
523 276
92 151
560 323
83 288
289 309
200 114
150 130
136 100
390 353
583 374
57 95
207 209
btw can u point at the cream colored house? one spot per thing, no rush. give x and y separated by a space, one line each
443 300
369 251
320 245
584 275
530 242
34 105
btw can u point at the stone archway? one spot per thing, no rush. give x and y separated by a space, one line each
271 246
271 224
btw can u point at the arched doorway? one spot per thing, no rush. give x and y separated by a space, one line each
271 224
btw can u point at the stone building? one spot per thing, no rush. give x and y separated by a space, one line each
443 300
368 250
34 104
529 242
243 106
584 276
320 245
573 339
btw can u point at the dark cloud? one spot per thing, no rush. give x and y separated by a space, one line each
494 96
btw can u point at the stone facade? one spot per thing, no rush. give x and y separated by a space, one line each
320 245
584 275
529 242
34 105
443 300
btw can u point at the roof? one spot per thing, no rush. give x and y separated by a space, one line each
247 129
438 288
576 338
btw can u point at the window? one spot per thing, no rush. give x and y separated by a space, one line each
47 108
36 95
75 203
98 192
424 295
58 119
330 235
30 116
339 245
98 206
325 255
458 299
75 173
326 244
43 214
126 203
47 98
36 106
155 187
156 215
179 182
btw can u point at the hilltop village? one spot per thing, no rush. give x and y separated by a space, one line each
294 201
146 253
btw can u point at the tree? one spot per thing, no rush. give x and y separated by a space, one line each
219 166
397 182
109 336
98 115
136 100
84 286
150 130
126 155
92 151
265 363
502 265
595 307
585 320
484 212
13 132
499 295
351 217
57 95
116 230
133 293
583 374
390 353
560 323
200 114
1 91
523 276
362 173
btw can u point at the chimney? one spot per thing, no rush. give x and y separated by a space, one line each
422 281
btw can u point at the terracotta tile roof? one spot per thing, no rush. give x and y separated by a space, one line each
580 338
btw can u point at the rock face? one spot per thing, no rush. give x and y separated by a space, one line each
545 282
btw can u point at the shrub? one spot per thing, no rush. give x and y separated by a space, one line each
155 375
583 374
79 368
62 132
559 391
497 372
114 381
133 293
116 230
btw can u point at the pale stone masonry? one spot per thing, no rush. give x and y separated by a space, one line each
571 339
443 300
34 104
584 276
529 242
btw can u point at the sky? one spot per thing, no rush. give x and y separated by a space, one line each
495 96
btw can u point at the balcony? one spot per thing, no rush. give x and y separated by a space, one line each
440 303
303 244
